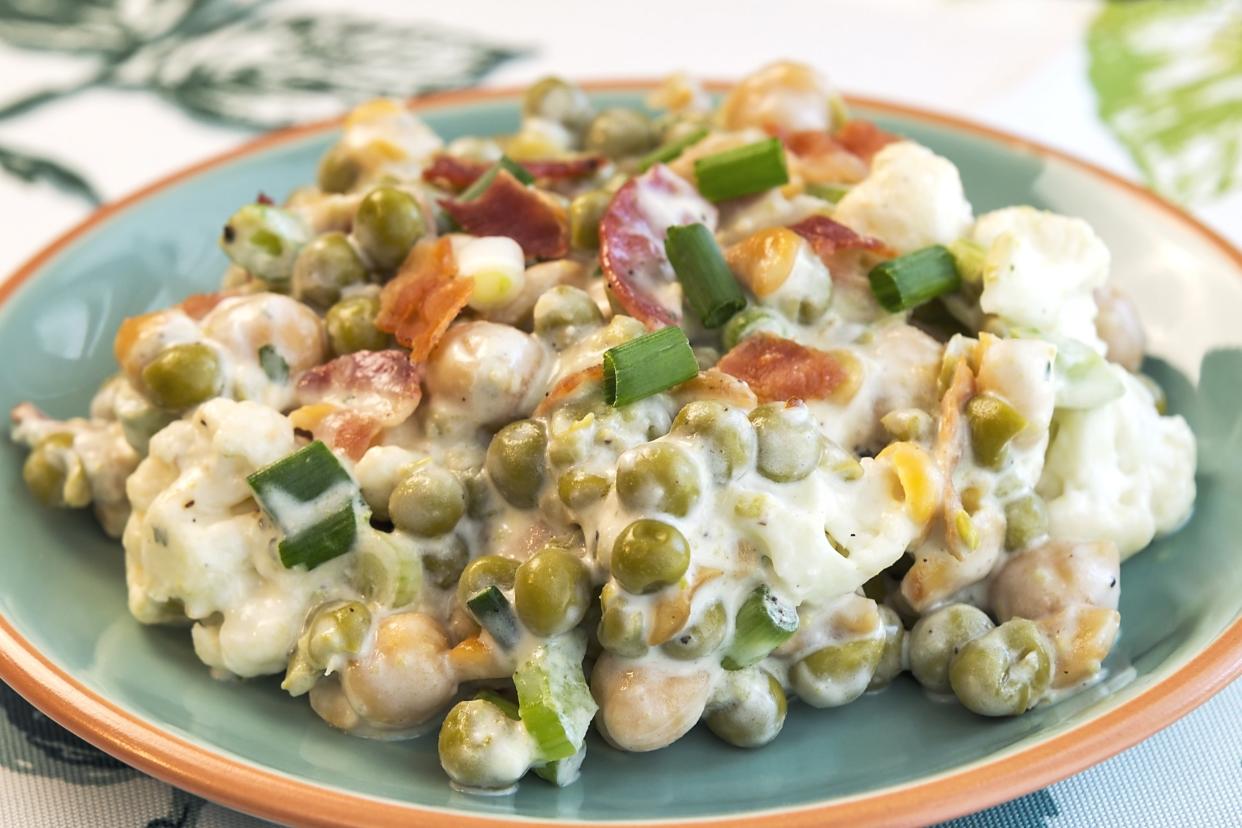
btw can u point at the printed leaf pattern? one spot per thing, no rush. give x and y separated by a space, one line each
271 71
35 170
1168 82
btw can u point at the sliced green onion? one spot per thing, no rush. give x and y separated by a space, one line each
742 171
764 622
485 180
707 280
1083 377
322 541
495 614
971 260
668 151
273 364
909 281
563 772
507 706
553 698
648 365
313 500
832 193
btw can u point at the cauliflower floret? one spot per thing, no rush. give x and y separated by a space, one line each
197 546
912 198
1041 271
1119 472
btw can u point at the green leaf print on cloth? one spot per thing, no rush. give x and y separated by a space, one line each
1168 82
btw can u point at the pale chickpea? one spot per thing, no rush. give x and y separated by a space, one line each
643 708
1046 579
241 326
1119 325
784 95
490 372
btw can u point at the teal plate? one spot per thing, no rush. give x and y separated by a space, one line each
68 644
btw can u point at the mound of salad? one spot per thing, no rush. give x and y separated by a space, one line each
634 418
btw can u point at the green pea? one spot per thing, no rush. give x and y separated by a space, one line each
339 170
937 637
481 573
837 674
620 132
622 630
515 462
993 424
339 629
351 326
790 444
726 433
585 212
182 376
750 321
649 555
659 476
891 660
755 710
579 488
564 307
481 747
1026 520
552 591
559 101
265 241
51 478
387 225
324 268
701 638
1004 672
444 565
428 502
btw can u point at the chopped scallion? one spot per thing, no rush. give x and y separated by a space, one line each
764 622
707 280
971 260
832 193
506 706
322 541
553 698
909 281
495 614
273 364
668 151
562 772
485 180
648 365
742 171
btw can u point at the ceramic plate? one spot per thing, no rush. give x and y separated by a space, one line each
68 644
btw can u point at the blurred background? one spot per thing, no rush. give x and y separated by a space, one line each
98 98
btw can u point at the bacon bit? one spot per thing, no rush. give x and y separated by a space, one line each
263 198
425 297
717 386
828 237
198 305
864 139
776 368
822 158
455 173
347 402
509 208
631 243
572 385
127 335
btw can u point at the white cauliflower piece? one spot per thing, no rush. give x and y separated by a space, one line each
197 544
1119 472
1040 272
912 198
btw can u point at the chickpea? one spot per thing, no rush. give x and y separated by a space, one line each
643 708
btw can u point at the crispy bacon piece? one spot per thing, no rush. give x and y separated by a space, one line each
820 157
198 305
864 139
509 208
828 237
631 240
455 173
424 298
347 402
776 368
